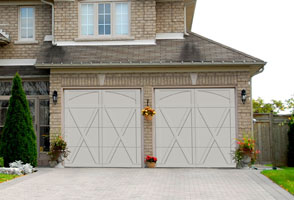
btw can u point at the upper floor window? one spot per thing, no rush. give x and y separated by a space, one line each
107 19
27 23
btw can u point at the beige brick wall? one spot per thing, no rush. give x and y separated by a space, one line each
9 24
170 17
148 81
66 20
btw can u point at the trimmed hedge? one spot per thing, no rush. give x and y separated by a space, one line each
18 139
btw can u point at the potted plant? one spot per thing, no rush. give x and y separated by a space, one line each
246 154
150 161
58 151
148 113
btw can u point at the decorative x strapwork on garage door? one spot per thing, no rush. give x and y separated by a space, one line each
103 128
195 127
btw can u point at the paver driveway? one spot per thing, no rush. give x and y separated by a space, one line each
141 184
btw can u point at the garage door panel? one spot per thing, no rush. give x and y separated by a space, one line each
77 117
83 156
174 117
121 155
74 136
214 157
167 137
213 117
170 157
223 137
126 98
171 98
102 135
119 117
81 98
213 98
129 136
200 135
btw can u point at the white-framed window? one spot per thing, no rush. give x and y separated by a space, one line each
104 19
26 23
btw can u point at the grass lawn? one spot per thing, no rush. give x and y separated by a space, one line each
7 177
284 177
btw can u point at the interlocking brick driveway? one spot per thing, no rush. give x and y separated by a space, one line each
141 184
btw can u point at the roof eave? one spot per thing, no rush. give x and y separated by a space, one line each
139 65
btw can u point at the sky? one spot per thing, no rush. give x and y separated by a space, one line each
261 28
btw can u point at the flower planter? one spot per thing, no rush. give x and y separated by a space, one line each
246 160
148 117
150 164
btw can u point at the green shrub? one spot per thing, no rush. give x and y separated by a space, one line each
1 162
18 139
291 142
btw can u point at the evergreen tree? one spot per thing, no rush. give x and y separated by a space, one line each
18 139
291 143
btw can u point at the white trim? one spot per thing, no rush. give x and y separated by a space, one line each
106 43
4 34
17 62
26 42
48 38
169 36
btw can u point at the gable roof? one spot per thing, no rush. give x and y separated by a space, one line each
193 50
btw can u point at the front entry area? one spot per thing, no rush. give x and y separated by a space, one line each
103 127
195 127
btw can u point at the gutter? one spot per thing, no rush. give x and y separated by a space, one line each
140 65
52 5
260 70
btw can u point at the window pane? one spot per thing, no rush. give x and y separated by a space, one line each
107 19
101 19
27 22
104 19
122 19
30 12
101 29
107 8
23 12
23 33
107 29
44 138
30 33
87 19
101 9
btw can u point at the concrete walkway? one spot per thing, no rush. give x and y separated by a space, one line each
141 184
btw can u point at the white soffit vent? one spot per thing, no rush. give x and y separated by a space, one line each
17 62
169 36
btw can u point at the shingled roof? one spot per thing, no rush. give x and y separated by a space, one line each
193 49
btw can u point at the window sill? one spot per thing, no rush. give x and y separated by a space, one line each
80 39
26 42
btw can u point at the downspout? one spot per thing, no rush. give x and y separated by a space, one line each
52 5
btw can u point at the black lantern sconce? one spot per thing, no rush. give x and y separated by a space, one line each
54 96
243 96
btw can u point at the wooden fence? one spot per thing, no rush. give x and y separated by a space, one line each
271 135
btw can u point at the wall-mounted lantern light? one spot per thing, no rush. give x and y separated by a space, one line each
243 96
54 96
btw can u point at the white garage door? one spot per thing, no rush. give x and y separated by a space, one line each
195 127
103 127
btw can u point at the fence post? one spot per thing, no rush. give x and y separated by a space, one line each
272 143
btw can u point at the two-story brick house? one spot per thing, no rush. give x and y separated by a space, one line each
105 60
